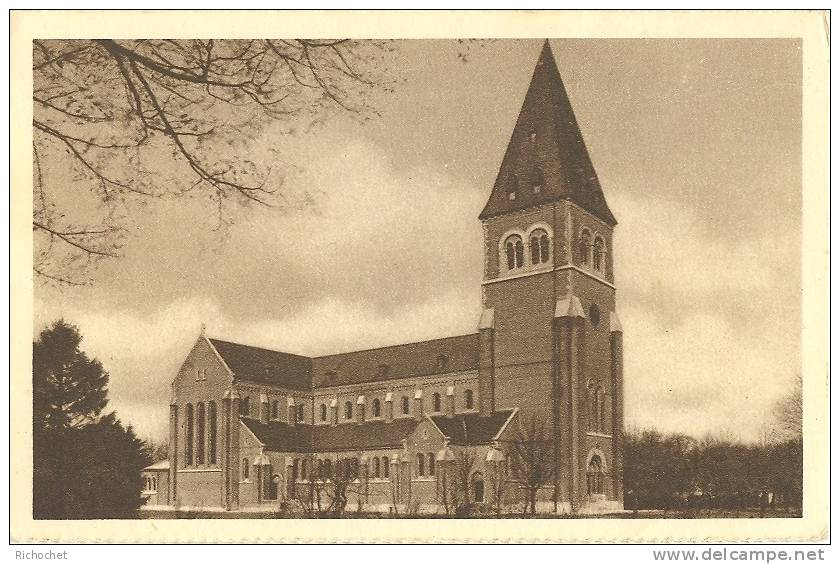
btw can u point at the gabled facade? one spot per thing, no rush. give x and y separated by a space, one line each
251 427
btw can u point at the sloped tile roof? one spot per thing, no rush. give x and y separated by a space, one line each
282 437
463 429
397 361
471 428
370 435
557 151
159 465
263 365
267 366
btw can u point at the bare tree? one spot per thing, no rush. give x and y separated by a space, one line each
462 469
117 122
533 460
788 413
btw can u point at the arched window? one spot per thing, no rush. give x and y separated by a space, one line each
591 406
514 251
435 401
327 469
275 409
602 413
295 469
386 467
583 247
421 464
595 476
404 405
537 181
431 458
188 432
539 244
469 402
478 487
376 467
376 408
212 426
274 486
246 469
599 254
348 410
323 410
304 467
200 429
300 412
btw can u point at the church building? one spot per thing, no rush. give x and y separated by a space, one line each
432 426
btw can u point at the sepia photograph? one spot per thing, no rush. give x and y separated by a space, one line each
538 276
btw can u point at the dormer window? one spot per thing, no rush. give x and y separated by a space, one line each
537 181
383 370
533 136
514 252
512 187
442 361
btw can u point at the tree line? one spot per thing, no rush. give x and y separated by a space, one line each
678 472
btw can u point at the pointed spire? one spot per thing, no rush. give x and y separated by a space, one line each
546 159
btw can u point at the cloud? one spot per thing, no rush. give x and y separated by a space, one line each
700 375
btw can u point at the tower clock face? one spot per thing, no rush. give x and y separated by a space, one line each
594 315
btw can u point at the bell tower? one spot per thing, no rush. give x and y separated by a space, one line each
549 325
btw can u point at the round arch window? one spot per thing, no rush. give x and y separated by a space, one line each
594 315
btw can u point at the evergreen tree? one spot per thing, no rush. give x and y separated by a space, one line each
85 466
69 389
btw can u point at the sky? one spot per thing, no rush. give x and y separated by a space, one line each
697 144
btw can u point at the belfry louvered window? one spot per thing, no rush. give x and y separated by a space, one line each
539 244
583 247
598 254
514 252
